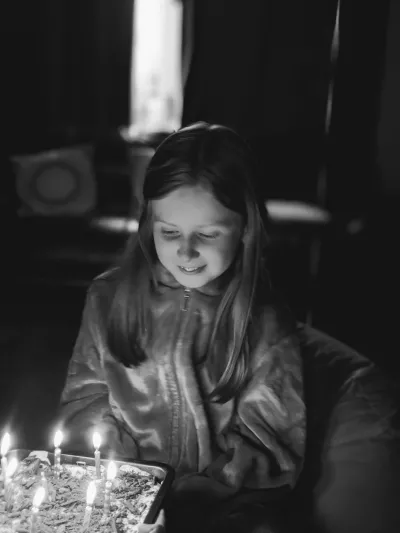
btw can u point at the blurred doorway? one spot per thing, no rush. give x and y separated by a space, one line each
156 68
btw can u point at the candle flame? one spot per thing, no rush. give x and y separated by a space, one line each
58 437
5 444
39 497
91 493
11 467
96 440
111 471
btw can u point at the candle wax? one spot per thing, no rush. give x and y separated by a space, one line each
8 495
34 516
57 461
107 495
97 463
86 518
3 466
44 484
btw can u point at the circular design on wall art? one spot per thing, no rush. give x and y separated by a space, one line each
55 183
60 182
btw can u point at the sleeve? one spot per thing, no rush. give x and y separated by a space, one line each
85 401
264 446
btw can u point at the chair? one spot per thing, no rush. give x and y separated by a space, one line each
351 477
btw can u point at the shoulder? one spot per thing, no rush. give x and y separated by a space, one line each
274 339
101 290
107 278
273 320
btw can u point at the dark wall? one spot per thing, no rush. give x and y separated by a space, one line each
68 69
389 126
262 66
354 180
265 70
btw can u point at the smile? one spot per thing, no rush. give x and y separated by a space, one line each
191 270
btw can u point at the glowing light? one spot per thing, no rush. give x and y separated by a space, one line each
111 471
96 440
11 468
91 493
5 444
38 497
58 437
156 72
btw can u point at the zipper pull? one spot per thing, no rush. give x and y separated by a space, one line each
186 297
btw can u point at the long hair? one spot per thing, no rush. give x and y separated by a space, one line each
217 158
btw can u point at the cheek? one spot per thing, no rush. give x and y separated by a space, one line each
159 245
164 248
222 254
228 251
231 245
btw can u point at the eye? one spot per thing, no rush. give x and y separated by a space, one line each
169 233
214 235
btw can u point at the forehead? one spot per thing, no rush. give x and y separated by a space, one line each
194 206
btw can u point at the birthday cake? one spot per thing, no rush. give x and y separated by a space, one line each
118 509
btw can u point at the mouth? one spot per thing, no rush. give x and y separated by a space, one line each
192 270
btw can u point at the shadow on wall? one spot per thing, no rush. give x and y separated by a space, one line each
36 343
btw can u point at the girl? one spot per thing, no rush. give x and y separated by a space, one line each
184 356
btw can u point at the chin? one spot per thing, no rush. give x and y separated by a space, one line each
192 282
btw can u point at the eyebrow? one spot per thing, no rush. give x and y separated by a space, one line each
223 222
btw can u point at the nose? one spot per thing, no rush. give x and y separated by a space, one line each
187 251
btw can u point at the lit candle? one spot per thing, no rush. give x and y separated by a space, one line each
8 483
5 446
111 473
58 437
37 501
96 444
44 484
90 497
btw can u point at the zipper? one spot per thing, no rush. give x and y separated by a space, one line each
186 298
175 452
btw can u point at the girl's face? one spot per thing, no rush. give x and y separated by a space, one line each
195 236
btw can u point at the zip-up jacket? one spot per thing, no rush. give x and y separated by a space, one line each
160 411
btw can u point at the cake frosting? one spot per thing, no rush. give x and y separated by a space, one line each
132 493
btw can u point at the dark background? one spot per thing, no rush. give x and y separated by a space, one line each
261 66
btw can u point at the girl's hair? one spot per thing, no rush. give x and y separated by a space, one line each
218 159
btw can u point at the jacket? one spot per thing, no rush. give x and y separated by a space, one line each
159 410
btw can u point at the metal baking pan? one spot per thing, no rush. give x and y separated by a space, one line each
162 472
